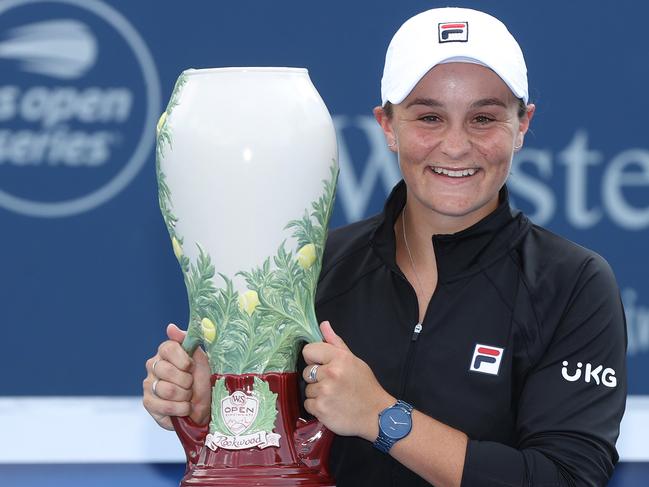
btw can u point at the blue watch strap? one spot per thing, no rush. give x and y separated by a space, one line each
404 405
383 443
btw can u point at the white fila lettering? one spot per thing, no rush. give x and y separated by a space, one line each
486 359
590 373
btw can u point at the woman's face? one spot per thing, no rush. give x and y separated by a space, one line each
455 135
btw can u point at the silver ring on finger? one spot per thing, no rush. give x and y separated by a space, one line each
154 386
313 373
154 364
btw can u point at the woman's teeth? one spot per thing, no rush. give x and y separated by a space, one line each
460 173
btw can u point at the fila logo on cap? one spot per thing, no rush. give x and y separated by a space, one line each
453 31
486 359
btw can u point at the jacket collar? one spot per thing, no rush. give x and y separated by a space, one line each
460 254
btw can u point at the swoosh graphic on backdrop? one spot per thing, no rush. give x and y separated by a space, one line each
64 49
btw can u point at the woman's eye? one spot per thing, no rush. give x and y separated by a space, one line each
483 119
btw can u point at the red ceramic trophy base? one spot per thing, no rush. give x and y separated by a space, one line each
300 460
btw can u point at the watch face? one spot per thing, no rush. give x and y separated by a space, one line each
395 423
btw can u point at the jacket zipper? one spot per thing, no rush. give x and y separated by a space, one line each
411 346
416 332
410 354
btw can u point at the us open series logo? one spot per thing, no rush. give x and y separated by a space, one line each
486 359
79 100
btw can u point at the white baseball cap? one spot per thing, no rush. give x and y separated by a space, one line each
444 35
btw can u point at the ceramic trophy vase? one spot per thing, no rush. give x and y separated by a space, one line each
246 164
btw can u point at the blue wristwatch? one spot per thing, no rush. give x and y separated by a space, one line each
395 423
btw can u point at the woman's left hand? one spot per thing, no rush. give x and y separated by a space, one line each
346 396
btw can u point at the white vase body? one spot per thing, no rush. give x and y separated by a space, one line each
241 153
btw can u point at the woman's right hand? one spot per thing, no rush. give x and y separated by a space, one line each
182 383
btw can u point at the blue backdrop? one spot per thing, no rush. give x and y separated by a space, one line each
89 280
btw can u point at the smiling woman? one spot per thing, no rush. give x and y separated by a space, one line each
470 334
455 135
459 325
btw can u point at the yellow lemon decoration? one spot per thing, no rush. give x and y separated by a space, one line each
178 250
161 122
306 256
248 301
209 330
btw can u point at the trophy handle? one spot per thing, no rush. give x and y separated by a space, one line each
192 436
312 441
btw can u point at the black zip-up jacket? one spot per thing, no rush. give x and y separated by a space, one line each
522 348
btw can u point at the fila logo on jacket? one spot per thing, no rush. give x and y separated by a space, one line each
486 359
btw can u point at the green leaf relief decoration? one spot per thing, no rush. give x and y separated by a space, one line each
265 420
219 392
163 139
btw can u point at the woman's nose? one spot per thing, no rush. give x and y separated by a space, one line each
455 142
